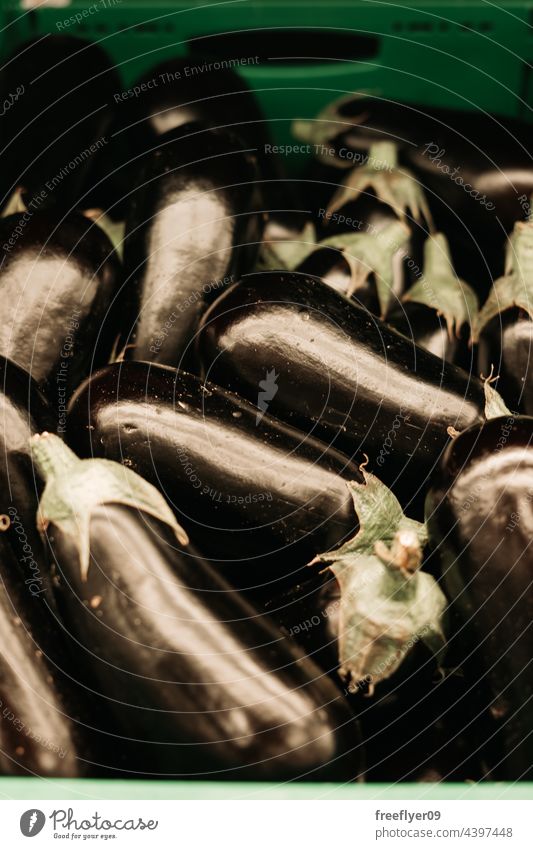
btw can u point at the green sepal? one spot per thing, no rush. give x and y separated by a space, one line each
494 404
15 204
114 230
287 254
515 288
74 488
327 125
441 289
372 253
387 604
397 187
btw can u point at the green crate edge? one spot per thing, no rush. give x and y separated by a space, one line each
83 788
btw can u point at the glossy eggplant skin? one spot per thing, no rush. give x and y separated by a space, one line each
23 413
343 375
261 497
480 521
193 226
38 735
476 169
191 670
309 614
506 345
428 330
332 268
58 281
59 91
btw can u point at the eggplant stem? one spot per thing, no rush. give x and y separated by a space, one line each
383 156
365 464
405 553
51 455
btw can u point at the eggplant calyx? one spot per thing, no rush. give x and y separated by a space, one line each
114 230
440 289
387 602
287 254
515 288
15 203
494 404
74 488
372 253
328 124
397 187
404 554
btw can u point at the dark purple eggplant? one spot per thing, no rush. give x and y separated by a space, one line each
504 329
189 668
195 89
476 169
58 93
480 521
284 225
438 311
420 723
193 226
184 90
309 613
506 346
333 268
262 498
366 267
38 734
58 281
373 195
23 412
342 375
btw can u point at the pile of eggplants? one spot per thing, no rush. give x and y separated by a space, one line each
223 406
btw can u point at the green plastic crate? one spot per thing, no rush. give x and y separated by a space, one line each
467 55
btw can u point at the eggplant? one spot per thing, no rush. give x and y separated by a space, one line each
38 734
506 346
475 167
371 197
439 310
263 498
59 279
182 90
59 94
333 268
420 724
342 375
193 226
427 329
189 668
504 329
23 411
309 613
480 524
287 225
